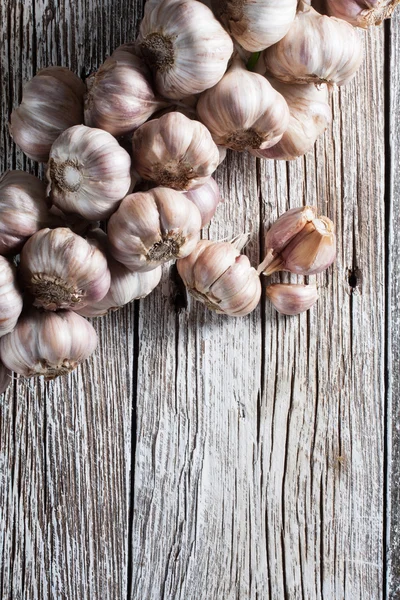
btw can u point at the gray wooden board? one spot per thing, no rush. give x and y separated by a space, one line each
197 457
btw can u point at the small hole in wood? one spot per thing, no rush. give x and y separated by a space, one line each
354 278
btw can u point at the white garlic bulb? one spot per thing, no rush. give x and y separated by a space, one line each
316 49
48 343
151 228
10 297
62 270
120 95
88 172
185 47
217 275
23 210
5 378
243 111
125 285
206 198
51 102
310 115
175 152
361 13
256 24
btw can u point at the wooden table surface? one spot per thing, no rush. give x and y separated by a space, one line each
197 457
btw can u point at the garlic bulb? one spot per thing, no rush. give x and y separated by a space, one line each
175 152
62 270
243 110
361 13
10 297
220 277
310 115
125 285
206 198
47 343
256 24
291 298
51 102
23 210
5 378
120 95
151 228
185 47
88 172
317 49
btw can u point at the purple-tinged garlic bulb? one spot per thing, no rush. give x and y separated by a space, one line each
361 13
10 297
51 102
206 198
292 298
5 378
154 227
175 152
62 270
48 343
217 275
185 47
88 172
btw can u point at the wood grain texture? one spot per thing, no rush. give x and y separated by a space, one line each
197 457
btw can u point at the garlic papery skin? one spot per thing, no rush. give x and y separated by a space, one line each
175 152
5 378
316 49
243 111
292 298
10 297
125 285
51 102
154 227
220 277
62 270
88 172
23 210
206 198
48 343
120 96
361 13
310 115
185 47
256 24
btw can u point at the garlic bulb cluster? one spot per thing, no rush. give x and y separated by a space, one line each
52 101
185 47
206 198
292 298
48 344
316 49
243 111
23 210
361 13
62 270
217 275
175 152
151 228
88 172
10 297
256 24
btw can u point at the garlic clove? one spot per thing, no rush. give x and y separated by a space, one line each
5 378
88 172
10 297
48 343
206 198
290 298
51 102
287 227
361 13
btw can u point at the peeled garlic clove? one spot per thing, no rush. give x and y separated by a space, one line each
316 49
88 172
185 47
125 285
206 198
256 24
361 13
10 297
310 115
48 343
5 378
51 102
120 97
220 277
23 210
62 270
151 228
175 152
291 298
243 111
